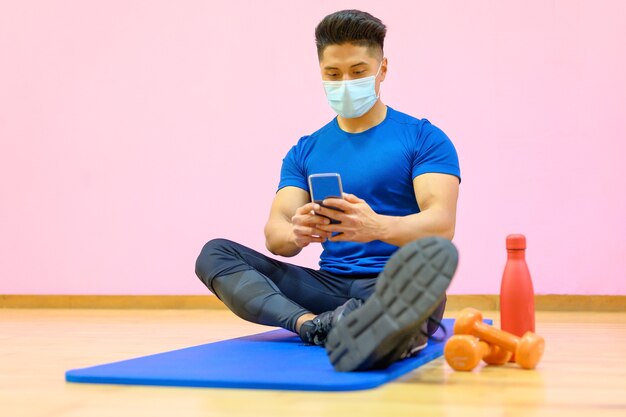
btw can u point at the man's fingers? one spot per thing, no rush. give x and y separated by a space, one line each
331 228
337 203
304 231
322 234
352 198
338 238
305 209
333 214
313 220
312 231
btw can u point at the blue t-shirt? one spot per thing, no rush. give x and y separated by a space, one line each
377 165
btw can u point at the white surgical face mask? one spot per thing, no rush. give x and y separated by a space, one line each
352 98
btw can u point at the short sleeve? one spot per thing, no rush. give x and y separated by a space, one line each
292 172
435 153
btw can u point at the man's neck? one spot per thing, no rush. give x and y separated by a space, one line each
373 117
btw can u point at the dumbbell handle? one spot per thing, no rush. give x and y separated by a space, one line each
470 321
497 337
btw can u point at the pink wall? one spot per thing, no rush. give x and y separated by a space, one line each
131 132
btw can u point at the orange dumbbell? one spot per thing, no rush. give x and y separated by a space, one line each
463 353
528 349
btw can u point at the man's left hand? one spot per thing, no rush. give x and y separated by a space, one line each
359 223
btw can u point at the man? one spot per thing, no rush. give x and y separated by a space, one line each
386 265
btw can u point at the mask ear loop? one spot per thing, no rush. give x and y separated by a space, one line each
379 68
376 76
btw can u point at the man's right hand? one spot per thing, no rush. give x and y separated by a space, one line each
304 224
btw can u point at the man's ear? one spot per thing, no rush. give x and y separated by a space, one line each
383 70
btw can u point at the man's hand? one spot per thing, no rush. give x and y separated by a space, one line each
307 226
286 234
359 223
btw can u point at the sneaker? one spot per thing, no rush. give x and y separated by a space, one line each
417 343
314 331
420 340
408 290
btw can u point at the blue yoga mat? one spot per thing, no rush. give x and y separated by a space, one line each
273 360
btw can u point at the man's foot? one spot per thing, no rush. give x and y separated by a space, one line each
419 342
408 290
314 331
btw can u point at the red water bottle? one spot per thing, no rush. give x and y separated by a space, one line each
517 298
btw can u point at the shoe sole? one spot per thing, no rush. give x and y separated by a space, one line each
408 290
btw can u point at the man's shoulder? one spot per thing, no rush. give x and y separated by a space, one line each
422 129
324 130
309 140
404 118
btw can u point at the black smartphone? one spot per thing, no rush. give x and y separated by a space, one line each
323 186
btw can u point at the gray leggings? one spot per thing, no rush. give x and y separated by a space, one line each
265 291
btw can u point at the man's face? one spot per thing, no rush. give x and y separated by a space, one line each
349 62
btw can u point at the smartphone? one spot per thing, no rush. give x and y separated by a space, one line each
323 186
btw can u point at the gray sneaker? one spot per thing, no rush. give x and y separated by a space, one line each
314 332
409 289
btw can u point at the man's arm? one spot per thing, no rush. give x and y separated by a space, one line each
436 195
291 226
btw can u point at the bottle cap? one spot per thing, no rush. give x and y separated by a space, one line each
516 242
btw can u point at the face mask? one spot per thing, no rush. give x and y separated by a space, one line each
352 98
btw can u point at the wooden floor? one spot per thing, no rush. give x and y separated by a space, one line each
583 372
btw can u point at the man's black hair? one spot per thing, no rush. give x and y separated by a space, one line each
350 26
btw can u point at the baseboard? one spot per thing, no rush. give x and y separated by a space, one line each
112 301
544 302
606 303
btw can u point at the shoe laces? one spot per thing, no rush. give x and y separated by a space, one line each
323 323
439 326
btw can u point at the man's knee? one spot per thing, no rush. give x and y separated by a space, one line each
218 257
216 245
209 250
